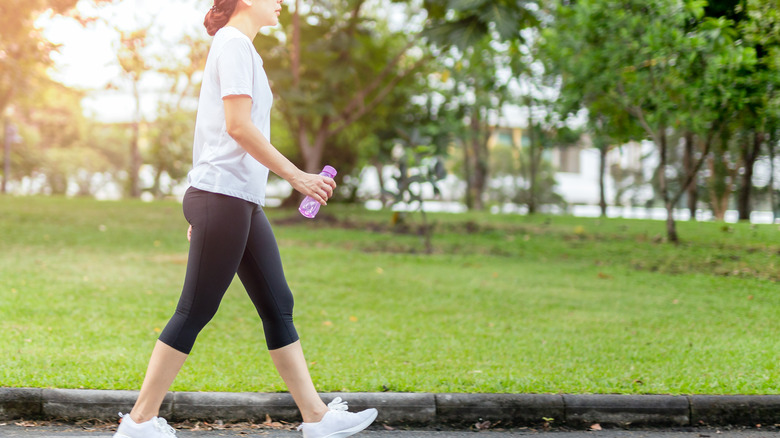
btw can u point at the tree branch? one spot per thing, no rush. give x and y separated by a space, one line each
690 177
295 56
346 118
361 96
637 112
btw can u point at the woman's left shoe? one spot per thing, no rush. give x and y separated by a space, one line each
157 427
338 423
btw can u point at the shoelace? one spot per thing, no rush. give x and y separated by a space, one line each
163 426
336 405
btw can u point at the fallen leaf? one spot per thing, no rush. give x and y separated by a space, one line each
327 323
388 427
353 318
483 425
595 426
604 276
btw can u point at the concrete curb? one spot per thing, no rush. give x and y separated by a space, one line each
574 410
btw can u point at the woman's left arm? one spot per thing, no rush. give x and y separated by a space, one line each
239 125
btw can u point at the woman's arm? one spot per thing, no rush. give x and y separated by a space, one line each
240 127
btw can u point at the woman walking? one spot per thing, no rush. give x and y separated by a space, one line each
229 232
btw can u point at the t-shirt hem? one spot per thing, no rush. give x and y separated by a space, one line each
236 92
234 193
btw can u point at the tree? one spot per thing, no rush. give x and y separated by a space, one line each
466 23
470 31
170 148
332 65
666 74
132 59
758 24
479 92
24 53
608 124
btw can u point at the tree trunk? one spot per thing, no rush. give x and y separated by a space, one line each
479 162
135 153
156 185
531 165
720 186
688 164
467 174
379 168
772 203
312 152
749 155
602 146
671 226
6 152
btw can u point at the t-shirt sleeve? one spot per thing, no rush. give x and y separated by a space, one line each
234 68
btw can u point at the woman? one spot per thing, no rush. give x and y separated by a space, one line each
229 232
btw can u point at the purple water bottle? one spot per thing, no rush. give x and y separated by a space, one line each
309 207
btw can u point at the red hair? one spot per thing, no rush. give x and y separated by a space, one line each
219 14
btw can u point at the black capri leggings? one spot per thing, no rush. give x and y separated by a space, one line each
229 236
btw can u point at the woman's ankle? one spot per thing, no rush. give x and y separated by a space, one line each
314 415
139 417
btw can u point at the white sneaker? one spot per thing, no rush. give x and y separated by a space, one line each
157 427
338 423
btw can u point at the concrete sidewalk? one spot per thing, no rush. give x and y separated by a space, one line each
692 432
411 409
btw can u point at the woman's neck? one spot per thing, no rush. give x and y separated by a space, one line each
244 23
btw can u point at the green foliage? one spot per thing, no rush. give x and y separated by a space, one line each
170 135
465 23
419 164
170 149
512 166
668 64
331 65
59 142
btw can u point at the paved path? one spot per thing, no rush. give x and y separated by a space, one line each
13 431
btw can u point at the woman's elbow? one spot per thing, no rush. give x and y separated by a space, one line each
235 130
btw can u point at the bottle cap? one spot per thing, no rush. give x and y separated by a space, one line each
330 171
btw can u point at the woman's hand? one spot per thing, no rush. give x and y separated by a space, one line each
189 234
319 187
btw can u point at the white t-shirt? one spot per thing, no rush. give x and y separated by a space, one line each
219 163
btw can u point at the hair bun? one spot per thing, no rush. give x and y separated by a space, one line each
219 14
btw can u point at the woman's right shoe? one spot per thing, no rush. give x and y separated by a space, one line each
338 423
157 427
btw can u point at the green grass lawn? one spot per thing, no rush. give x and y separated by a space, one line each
504 303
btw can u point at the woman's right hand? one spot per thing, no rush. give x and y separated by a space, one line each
319 187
